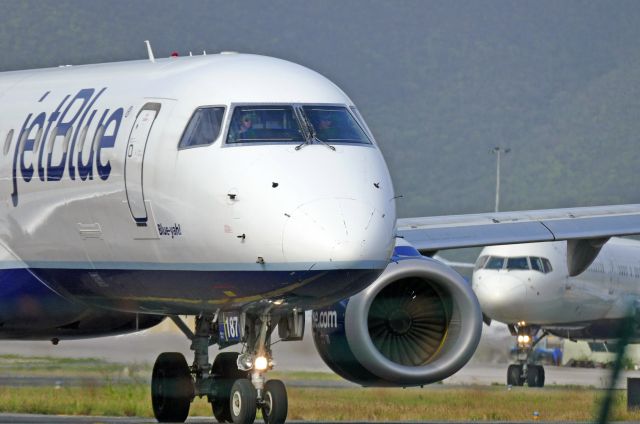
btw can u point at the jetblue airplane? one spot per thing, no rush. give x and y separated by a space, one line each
242 190
531 289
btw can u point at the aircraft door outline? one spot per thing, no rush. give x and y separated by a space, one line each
134 161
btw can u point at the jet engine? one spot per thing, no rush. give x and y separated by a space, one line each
418 323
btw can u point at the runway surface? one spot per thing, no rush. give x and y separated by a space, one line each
472 374
486 375
52 419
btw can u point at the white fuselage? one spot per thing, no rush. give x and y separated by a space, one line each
94 183
605 291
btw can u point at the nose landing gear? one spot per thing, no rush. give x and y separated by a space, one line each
526 371
234 384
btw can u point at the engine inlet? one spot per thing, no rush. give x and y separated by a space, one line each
408 322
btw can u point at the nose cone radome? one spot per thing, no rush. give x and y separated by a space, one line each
501 296
338 233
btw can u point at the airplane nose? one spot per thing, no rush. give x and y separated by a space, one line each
338 233
501 296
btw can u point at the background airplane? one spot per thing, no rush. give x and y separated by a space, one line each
530 288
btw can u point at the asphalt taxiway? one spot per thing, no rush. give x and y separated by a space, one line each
471 374
59 419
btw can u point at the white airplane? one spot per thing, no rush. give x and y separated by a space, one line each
530 288
242 190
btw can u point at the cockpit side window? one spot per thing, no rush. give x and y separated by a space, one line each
494 262
264 124
547 265
519 263
362 122
482 260
536 264
203 127
335 124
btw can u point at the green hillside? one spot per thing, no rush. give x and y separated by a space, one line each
440 83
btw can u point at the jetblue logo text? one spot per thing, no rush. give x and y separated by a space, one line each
74 136
325 319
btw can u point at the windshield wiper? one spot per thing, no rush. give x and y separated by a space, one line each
306 133
316 139
310 134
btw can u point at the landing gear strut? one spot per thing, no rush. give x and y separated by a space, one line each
234 384
525 370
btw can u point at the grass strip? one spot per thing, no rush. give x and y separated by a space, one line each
377 404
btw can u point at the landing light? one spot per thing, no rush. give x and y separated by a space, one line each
261 363
245 362
524 339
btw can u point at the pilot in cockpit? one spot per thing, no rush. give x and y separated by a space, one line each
325 128
246 127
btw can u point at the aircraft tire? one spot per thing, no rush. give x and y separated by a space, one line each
276 405
171 388
514 375
535 376
224 372
542 376
243 402
221 410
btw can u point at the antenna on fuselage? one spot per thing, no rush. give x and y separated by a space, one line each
149 51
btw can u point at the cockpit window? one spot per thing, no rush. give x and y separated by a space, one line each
334 124
482 260
362 123
203 128
547 265
515 263
494 262
536 264
264 124
519 263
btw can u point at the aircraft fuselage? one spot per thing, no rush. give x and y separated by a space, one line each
103 207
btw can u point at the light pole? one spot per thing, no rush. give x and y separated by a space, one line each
498 151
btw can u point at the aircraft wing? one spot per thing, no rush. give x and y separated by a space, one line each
430 234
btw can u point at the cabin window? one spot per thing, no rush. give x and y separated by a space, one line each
494 262
519 263
83 138
7 142
203 127
264 124
36 144
334 124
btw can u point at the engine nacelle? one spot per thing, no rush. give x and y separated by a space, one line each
418 323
